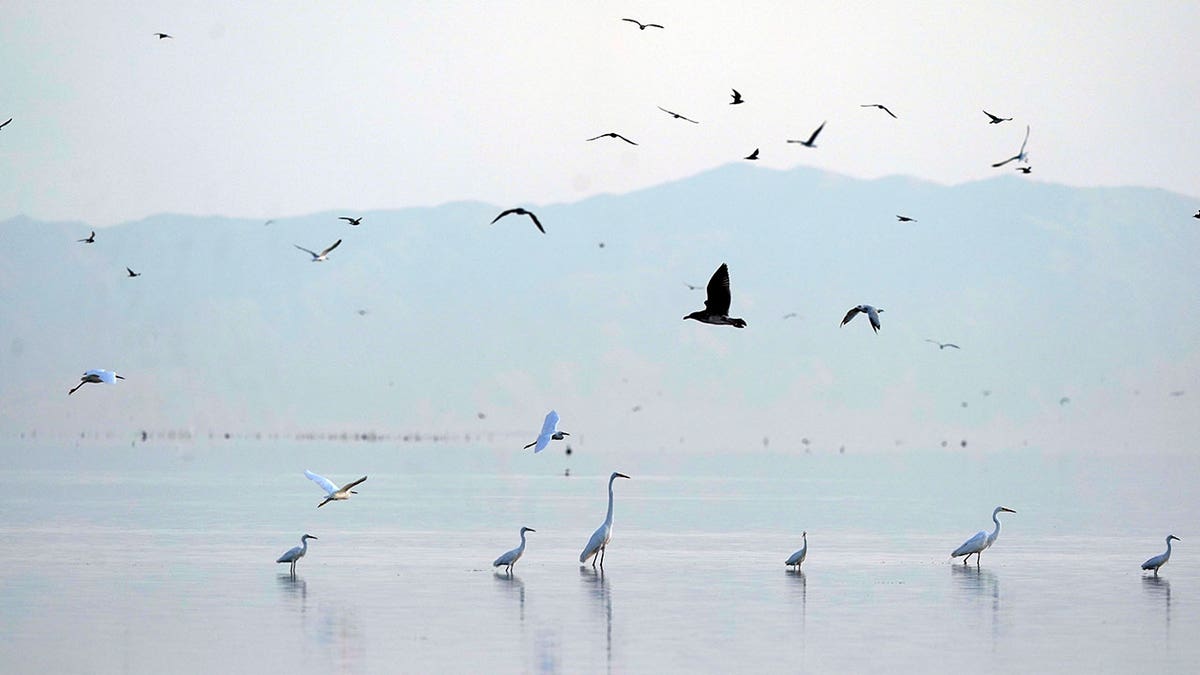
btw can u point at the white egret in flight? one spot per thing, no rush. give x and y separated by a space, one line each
982 540
510 558
323 255
96 376
798 557
295 553
1162 558
549 433
600 537
334 492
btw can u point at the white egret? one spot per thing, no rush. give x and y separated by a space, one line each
295 553
798 557
323 255
96 376
549 433
510 558
1162 558
982 540
600 537
334 492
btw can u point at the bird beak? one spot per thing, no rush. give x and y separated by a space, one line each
530 529
1007 509
565 433
621 475
119 377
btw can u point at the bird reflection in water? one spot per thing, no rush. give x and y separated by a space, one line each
513 586
1159 588
603 594
979 583
800 588
294 587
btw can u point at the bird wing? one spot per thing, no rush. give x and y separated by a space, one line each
312 253
322 481
335 245
1156 561
973 545
549 424
535 220
596 137
289 555
347 486
993 117
719 296
873 315
594 544
502 214
797 556
624 139
885 109
6 123
106 376
949 344
1024 141
812 139
348 220
129 270
850 315
505 558
1006 161
633 21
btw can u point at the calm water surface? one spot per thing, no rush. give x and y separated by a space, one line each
154 560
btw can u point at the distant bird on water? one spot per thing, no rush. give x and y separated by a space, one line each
521 212
323 255
943 345
333 492
352 221
812 140
1020 156
871 312
677 115
716 305
612 134
996 120
1025 169
600 538
881 107
510 558
91 238
132 274
549 433
295 553
644 26
753 155
164 36
96 376
799 556
982 540
905 219
1162 558
6 123
737 97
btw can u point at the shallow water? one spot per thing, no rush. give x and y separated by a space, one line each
167 564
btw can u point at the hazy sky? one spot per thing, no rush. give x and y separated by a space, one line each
270 109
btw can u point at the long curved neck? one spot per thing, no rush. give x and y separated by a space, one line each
303 545
996 520
522 546
1168 547
608 518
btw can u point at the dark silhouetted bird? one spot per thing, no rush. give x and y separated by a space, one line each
613 134
1025 169
737 98
352 221
6 123
812 140
521 212
644 26
716 306
164 36
943 345
677 115
91 238
881 107
996 120
905 219
753 155
132 274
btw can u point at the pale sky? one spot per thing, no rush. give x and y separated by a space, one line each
273 109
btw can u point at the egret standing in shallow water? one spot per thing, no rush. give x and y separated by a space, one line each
549 432
295 553
510 558
798 557
982 540
600 537
334 492
96 376
1162 558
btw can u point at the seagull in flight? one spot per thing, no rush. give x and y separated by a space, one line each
352 221
132 274
1020 156
716 305
871 312
164 36
790 315
613 134
549 433
333 492
881 107
737 98
996 120
323 255
6 123
644 26
942 345
905 219
753 155
91 238
677 115
696 288
521 212
812 140
96 376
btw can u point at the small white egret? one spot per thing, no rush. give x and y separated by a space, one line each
96 376
549 433
1162 558
600 537
295 553
982 540
323 255
334 492
798 557
510 558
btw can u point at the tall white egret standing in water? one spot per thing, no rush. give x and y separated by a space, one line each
510 558
334 492
96 376
295 553
549 432
600 537
1162 558
982 540
798 557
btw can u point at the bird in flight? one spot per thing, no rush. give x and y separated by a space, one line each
790 315
644 26
871 312
905 219
352 221
96 376
996 120
333 492
1027 169
132 274
716 305
269 222
521 212
942 345
881 107
737 98
1020 156
91 238
323 255
677 115
6 123
753 155
164 36
549 433
691 287
613 134
1197 214
812 140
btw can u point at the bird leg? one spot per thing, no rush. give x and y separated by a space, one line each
602 555
76 388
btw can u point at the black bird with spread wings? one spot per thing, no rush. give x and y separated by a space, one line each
164 36
753 155
521 212
644 26
737 98
943 345
352 221
992 119
612 134
91 238
716 306
812 140
677 115
881 107
132 274
905 219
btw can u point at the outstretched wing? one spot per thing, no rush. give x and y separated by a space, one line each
535 220
335 245
812 139
1006 161
322 481
849 315
312 253
347 486
873 315
719 297
1022 153
550 423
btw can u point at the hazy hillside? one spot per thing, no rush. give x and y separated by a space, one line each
1051 291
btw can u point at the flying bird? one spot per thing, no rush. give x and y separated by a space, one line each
1064 400
1025 169
790 315
799 556
6 123
91 238
599 541
1162 558
691 287
132 274
981 541
164 36
943 345
333 492
1020 156
871 312
352 221
996 120
905 219
323 255
521 212
510 558
96 376
881 107
753 155
296 553
716 305
812 140
644 26
1195 216
549 433
613 134
269 222
677 115
737 98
